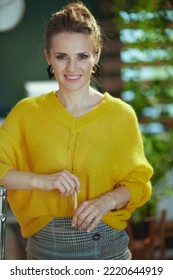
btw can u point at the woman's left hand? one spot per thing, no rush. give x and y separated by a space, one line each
90 212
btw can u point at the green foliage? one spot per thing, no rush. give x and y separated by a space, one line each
149 24
158 149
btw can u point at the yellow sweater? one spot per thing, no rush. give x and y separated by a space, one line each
103 148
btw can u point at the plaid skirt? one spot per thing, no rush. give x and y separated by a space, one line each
60 241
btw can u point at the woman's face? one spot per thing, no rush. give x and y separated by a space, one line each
72 57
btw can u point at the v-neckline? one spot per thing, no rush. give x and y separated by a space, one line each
60 112
77 117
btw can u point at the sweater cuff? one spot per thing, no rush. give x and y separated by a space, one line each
140 194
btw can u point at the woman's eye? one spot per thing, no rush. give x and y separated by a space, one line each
61 57
83 56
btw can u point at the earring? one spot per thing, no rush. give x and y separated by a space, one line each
96 71
50 72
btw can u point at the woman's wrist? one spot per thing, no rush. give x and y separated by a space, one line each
113 201
118 197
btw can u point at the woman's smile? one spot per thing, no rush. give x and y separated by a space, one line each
72 58
72 78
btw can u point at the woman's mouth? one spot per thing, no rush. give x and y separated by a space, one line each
72 77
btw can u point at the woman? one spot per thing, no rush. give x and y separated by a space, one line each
73 160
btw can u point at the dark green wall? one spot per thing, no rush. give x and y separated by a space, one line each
21 50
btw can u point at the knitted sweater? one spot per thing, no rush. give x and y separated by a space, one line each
103 148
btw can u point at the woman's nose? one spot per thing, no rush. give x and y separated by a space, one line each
72 64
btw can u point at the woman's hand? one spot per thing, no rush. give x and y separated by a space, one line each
90 212
64 181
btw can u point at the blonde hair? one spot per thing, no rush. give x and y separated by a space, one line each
75 17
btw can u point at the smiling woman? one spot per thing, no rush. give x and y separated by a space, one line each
73 159
72 59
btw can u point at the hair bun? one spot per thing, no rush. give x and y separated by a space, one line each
74 17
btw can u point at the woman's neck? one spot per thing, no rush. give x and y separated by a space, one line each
81 102
73 99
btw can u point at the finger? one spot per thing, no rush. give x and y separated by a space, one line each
61 189
69 184
69 180
94 224
64 187
74 179
78 211
84 219
88 220
84 215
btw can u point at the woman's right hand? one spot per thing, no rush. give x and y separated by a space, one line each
64 181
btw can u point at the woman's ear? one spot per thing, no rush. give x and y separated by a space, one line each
47 56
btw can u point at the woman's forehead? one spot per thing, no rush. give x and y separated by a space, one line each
68 41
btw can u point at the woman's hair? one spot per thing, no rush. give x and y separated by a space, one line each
75 17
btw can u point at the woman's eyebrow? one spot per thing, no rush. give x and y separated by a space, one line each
61 53
85 52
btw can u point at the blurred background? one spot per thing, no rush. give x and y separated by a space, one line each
136 66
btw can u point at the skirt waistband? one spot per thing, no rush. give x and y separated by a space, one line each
59 240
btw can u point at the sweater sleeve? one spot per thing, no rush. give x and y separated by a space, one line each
137 171
11 156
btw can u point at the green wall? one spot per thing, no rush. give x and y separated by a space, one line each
21 50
